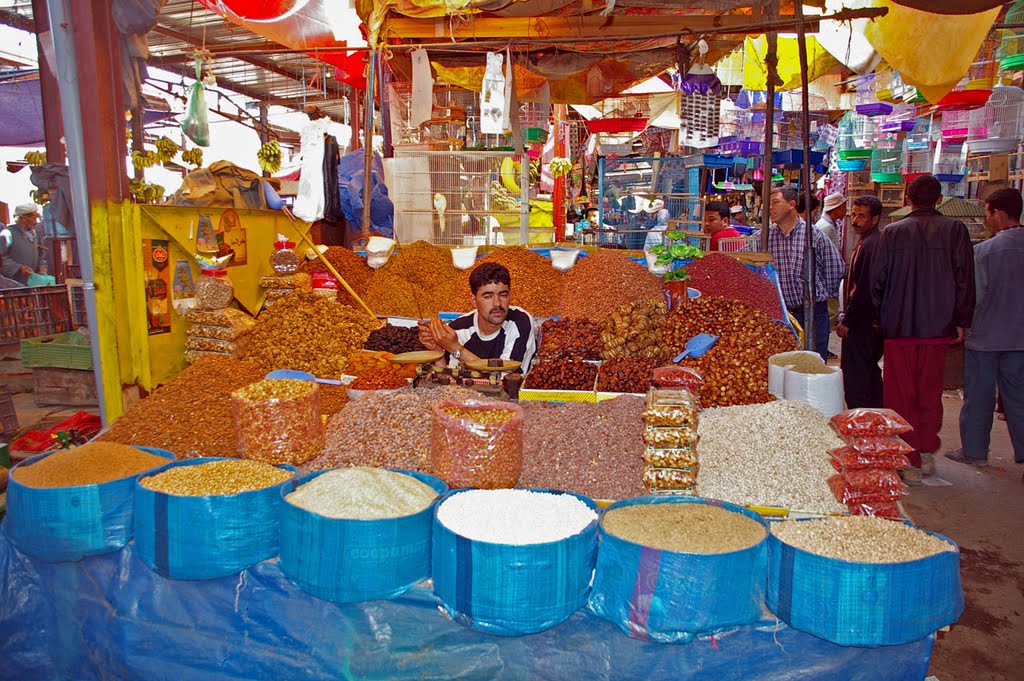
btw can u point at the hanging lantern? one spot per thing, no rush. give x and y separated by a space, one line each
699 104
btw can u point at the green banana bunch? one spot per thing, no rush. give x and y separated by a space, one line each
560 167
501 198
144 159
146 192
535 171
193 156
36 158
40 196
166 149
269 156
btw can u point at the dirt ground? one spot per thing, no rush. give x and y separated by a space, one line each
983 511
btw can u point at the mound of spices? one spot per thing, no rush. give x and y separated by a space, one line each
684 528
536 285
362 493
307 332
569 339
718 274
91 464
190 416
603 282
216 478
417 281
394 339
349 265
380 378
735 370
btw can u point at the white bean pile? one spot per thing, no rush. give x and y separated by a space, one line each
363 494
773 454
514 516
860 539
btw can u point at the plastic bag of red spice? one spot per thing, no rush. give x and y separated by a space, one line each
879 509
869 422
675 376
847 458
848 494
882 446
873 479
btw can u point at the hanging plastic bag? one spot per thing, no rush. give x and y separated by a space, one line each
492 96
196 123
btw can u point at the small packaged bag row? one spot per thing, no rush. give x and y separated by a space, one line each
679 457
659 480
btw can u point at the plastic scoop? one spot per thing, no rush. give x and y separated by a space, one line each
697 346
296 375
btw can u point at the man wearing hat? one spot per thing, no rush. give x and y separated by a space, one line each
21 246
657 233
738 215
833 212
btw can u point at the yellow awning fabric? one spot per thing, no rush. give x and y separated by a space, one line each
930 51
755 71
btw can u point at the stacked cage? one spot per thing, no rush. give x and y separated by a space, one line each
996 127
856 137
918 150
1011 46
867 102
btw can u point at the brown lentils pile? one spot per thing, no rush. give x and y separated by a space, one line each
735 370
351 267
603 282
190 416
91 464
536 285
307 332
569 339
418 281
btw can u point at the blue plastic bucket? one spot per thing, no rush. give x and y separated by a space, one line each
59 524
349 561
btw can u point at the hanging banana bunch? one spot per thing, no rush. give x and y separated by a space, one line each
560 167
40 196
166 149
145 159
269 156
146 192
193 156
36 158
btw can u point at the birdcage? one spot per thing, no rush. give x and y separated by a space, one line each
950 163
884 86
856 136
955 124
903 92
918 150
902 119
996 128
1011 47
886 161
738 134
867 103
974 88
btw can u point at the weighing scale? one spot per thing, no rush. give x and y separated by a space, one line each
474 374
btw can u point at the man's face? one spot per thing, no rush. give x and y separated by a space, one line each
839 212
592 218
491 302
779 208
28 221
862 220
713 222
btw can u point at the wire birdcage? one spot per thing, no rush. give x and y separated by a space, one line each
955 125
997 128
884 86
918 150
902 119
856 136
867 103
950 162
1011 47
886 161
974 88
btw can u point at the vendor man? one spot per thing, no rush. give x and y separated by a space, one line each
496 329
21 248
716 224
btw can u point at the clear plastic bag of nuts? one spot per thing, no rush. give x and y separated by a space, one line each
278 421
475 443
670 480
679 457
676 407
670 437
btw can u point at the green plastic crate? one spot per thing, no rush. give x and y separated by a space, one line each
69 350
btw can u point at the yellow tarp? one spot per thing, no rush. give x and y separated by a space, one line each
755 71
930 51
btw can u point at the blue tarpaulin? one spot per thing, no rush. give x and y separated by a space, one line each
111 617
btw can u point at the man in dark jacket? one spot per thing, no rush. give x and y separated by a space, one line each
862 340
922 275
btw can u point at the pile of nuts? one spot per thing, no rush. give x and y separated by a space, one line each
417 281
379 378
190 416
561 374
477 444
670 433
626 375
735 370
309 333
536 285
718 274
352 267
216 478
604 282
635 330
279 286
394 339
569 339
278 421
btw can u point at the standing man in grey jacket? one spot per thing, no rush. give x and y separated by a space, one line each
995 342
21 246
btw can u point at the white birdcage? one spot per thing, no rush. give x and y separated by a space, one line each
1011 47
901 120
950 161
996 128
955 124
918 150
856 136
867 103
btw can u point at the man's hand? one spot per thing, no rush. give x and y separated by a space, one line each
444 336
842 330
426 336
961 333
25 271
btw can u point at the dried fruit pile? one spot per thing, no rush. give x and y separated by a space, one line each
350 266
569 339
626 375
418 281
536 285
603 282
735 370
636 330
561 374
718 274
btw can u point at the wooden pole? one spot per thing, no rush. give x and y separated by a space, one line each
772 63
811 290
368 142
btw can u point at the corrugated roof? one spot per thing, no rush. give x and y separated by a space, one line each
950 207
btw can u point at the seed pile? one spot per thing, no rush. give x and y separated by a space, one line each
418 281
626 375
735 370
362 493
801 361
569 339
514 516
91 464
333 399
350 266
718 274
773 454
635 330
603 282
278 421
190 416
684 528
394 339
536 285
561 374
601 458
860 539
307 332
216 478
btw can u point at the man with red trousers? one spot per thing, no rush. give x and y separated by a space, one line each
922 276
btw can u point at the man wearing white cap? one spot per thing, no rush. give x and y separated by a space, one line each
21 247
833 212
657 233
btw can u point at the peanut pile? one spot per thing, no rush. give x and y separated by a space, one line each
307 332
603 282
418 281
350 266
735 370
536 285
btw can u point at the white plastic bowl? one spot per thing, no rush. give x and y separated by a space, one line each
464 257
562 259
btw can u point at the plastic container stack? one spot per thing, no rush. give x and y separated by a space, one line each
868 481
670 436
215 332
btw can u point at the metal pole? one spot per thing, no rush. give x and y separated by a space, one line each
772 63
368 142
811 290
67 80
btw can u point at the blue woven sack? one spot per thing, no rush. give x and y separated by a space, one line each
60 524
355 560
512 590
186 537
668 597
864 604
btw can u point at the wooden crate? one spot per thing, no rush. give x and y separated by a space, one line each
70 387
